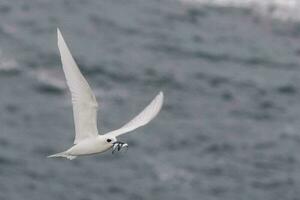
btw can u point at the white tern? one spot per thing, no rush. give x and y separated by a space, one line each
87 139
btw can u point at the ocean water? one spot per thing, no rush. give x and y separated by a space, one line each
229 127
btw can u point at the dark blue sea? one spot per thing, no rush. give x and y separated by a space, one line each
230 125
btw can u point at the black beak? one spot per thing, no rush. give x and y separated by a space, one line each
118 146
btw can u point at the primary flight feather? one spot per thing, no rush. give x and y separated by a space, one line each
87 139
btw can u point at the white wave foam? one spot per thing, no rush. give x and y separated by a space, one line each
50 80
278 9
167 173
8 65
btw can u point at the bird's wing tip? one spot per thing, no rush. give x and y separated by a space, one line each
59 35
160 95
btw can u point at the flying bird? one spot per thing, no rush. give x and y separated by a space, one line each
87 139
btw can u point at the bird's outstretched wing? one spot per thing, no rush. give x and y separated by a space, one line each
83 99
141 119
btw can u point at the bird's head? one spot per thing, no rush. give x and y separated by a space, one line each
110 140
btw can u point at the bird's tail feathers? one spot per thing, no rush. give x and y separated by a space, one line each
62 154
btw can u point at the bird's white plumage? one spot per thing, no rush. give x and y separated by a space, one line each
83 99
87 140
141 119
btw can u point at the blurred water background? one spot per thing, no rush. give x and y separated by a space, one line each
229 128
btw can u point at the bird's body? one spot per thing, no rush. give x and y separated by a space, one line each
87 139
90 146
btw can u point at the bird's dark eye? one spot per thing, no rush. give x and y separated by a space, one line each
108 140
